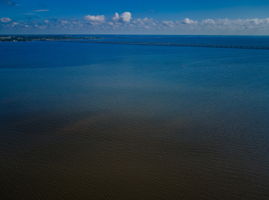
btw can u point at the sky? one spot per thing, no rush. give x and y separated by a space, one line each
201 17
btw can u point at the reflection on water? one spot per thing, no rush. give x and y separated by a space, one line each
133 122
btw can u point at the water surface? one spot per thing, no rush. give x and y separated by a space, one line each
82 120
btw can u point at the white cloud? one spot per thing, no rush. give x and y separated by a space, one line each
126 16
208 21
5 19
95 18
189 21
116 17
236 23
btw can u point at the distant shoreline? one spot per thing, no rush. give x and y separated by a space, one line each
29 38
59 37
127 40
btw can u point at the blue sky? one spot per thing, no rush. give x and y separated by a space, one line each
139 16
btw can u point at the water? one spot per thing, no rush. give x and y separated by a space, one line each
85 120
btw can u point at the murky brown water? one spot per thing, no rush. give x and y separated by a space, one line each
112 156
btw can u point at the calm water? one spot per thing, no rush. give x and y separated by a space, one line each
113 121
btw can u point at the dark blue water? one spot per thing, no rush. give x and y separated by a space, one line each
84 120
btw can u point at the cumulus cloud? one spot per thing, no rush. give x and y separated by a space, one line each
95 18
189 21
116 17
124 17
5 19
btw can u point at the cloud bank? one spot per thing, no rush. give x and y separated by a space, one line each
126 23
